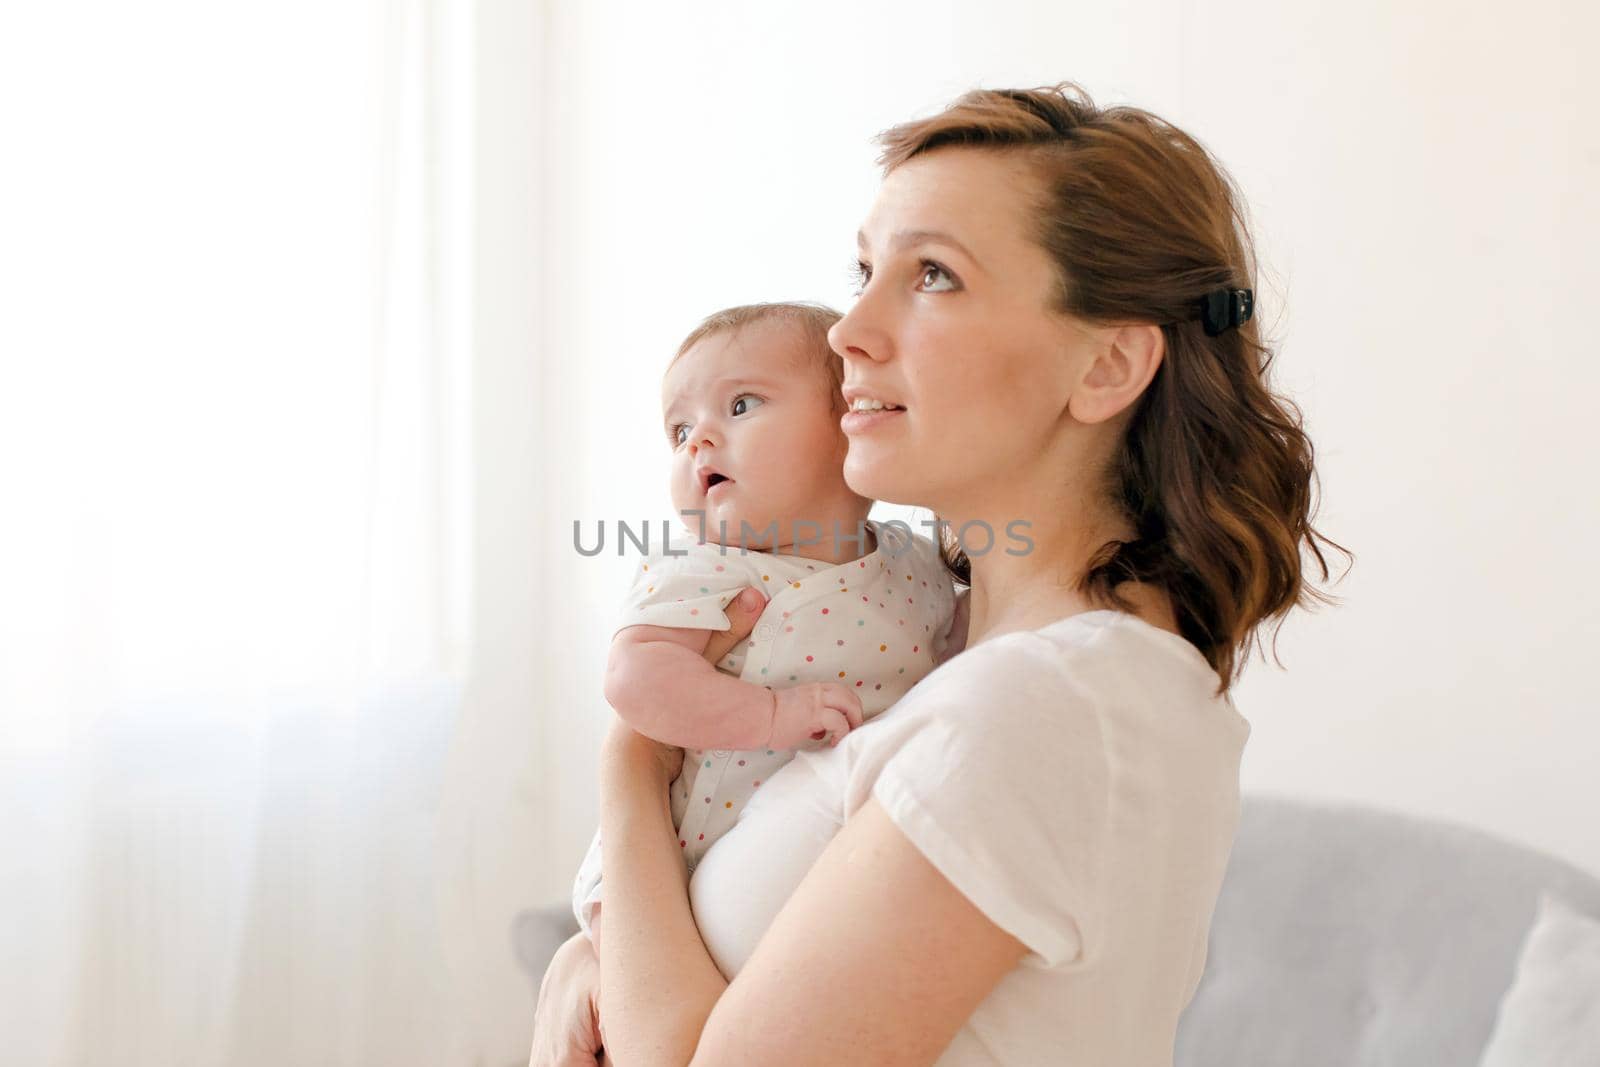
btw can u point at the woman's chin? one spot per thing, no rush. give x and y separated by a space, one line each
879 480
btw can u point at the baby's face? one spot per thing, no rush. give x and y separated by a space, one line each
754 436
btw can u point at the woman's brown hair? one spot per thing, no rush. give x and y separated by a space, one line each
1215 471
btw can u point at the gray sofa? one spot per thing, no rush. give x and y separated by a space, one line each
1343 935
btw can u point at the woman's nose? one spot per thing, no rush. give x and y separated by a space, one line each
858 335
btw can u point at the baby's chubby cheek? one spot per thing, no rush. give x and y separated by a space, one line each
684 499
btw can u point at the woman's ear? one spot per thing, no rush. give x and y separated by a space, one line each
1119 373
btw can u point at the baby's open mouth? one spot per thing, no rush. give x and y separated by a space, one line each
710 477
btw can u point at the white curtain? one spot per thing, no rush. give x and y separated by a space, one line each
234 544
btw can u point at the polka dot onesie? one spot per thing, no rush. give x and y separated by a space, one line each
875 624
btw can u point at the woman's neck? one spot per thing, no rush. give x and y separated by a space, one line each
1011 593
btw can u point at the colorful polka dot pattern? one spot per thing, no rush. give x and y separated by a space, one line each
823 624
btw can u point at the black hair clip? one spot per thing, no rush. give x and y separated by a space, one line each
1223 309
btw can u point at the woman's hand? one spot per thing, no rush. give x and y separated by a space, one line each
635 749
566 1021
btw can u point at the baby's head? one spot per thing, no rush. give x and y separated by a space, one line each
751 406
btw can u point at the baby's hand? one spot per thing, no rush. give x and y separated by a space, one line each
815 711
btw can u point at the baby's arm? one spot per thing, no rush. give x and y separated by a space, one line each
658 680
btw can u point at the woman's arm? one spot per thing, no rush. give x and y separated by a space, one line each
876 958
567 1027
854 969
658 984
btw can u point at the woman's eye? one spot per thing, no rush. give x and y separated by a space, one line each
743 404
861 274
932 273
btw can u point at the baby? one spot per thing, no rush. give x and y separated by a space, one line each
857 611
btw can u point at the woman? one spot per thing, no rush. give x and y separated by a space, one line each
1018 862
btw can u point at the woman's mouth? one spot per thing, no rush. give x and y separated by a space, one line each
868 415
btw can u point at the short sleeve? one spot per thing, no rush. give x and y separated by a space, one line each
685 591
999 777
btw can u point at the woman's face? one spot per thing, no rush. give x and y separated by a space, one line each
955 326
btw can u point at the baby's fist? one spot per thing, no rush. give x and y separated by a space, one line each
816 711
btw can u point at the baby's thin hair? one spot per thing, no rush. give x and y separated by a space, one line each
812 319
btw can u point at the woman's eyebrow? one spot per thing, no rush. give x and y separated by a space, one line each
913 237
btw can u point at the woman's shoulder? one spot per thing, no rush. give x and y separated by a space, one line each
1108 634
1084 676
1078 648
1082 698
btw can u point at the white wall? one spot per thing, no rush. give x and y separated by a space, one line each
1422 186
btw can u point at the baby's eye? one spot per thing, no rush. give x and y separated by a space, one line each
932 271
745 401
678 434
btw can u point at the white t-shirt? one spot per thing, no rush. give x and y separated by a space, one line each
1079 783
